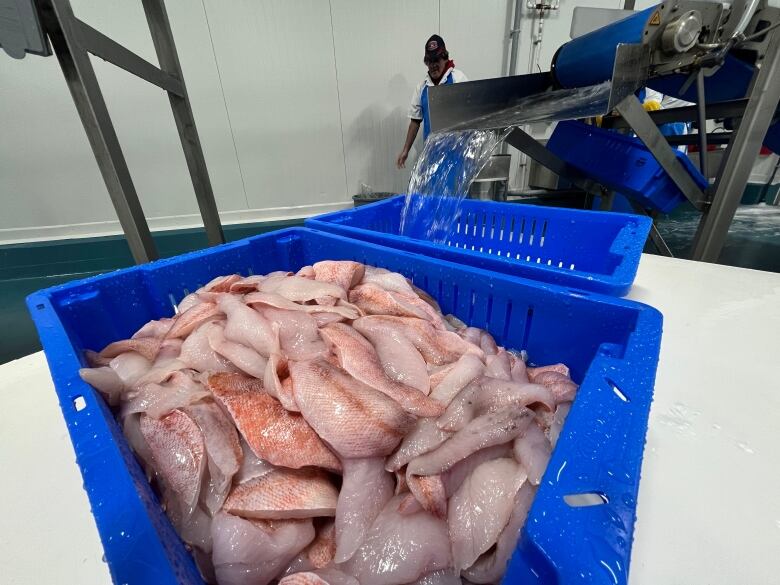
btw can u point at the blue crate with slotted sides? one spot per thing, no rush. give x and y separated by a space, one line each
610 344
621 163
588 250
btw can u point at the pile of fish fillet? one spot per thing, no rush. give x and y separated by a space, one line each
332 426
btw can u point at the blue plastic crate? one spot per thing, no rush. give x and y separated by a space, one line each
587 250
621 163
610 344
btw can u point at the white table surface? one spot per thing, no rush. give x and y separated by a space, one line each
709 502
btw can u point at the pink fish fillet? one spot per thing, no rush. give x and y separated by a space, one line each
251 465
443 577
491 566
358 358
246 285
220 283
157 400
499 366
274 434
557 423
244 358
425 436
276 371
347 311
400 360
460 375
248 327
454 477
321 551
562 388
255 551
222 447
284 493
430 492
481 508
130 367
366 489
343 273
400 548
326 576
105 380
299 336
155 328
301 290
374 300
193 317
391 281
178 452
197 353
356 420
532 450
436 346
487 430
145 346
489 395
519 372
488 344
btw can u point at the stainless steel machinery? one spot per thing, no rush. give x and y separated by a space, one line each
724 58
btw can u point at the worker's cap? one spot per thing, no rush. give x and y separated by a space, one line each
434 47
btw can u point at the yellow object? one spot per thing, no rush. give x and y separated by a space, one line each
651 105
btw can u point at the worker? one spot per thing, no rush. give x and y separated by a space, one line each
441 71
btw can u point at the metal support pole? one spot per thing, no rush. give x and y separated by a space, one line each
644 127
701 105
160 28
655 236
740 155
58 19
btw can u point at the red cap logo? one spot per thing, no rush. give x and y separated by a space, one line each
432 46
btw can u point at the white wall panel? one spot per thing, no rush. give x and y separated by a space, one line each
379 52
278 72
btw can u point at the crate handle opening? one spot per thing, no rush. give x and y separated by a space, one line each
618 392
79 403
586 500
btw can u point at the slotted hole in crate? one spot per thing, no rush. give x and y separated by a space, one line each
531 235
512 229
471 307
544 231
527 329
172 299
506 320
492 226
618 392
454 297
521 235
585 500
489 311
503 225
79 403
40 306
441 291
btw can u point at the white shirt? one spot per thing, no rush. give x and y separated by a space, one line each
415 108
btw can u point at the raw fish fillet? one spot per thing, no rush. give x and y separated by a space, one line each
146 346
532 450
425 436
519 371
499 366
365 491
343 273
562 369
299 335
274 434
487 430
178 453
488 344
284 493
374 300
244 358
130 367
251 465
430 492
105 380
481 508
357 421
557 423
358 358
255 551
301 290
400 360
400 549
157 328
320 552
192 318
320 577
157 400
472 335
222 447
445 577
248 327
276 370
459 375
246 285
453 478
391 281
436 346
562 388
221 283
491 566
197 353
489 395
344 310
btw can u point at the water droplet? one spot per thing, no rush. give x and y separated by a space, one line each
745 447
